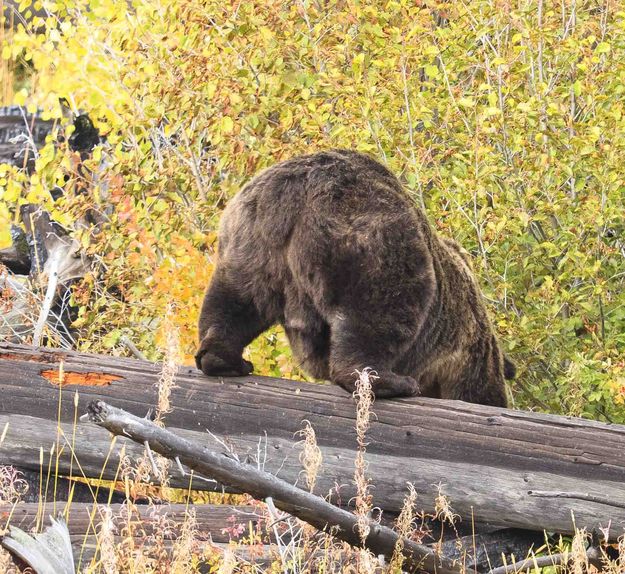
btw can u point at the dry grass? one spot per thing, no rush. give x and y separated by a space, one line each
172 358
310 457
364 396
442 508
404 526
12 486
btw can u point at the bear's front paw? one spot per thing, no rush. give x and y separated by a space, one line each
390 385
213 365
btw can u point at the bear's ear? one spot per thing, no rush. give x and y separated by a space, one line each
509 369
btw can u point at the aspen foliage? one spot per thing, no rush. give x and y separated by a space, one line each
504 120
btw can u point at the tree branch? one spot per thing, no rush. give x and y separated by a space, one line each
261 485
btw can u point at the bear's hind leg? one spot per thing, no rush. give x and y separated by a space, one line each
228 323
310 342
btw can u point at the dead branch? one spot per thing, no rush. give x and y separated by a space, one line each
261 485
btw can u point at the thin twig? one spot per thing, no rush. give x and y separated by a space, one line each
124 340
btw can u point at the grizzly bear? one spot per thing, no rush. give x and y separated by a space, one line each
330 246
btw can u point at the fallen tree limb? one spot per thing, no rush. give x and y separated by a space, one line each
261 485
593 557
487 461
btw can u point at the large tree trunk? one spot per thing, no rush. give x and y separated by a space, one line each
503 467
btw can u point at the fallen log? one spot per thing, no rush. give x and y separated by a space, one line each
40 488
262 485
260 555
59 551
498 466
213 521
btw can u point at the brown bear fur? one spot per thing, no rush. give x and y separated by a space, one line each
330 246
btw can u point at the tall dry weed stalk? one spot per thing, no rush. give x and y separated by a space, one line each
185 544
578 563
442 508
403 527
364 411
229 562
134 474
310 457
171 361
159 465
364 402
106 542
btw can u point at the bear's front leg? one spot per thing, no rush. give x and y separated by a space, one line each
228 323
215 357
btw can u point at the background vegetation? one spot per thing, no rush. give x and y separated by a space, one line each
504 119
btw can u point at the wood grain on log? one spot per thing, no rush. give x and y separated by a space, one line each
487 461
260 555
213 521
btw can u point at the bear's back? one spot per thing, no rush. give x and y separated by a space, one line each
337 191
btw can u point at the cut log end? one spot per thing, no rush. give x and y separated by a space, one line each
97 412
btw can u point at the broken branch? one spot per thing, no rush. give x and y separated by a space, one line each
261 485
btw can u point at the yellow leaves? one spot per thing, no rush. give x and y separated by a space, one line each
180 280
12 191
432 71
226 125
358 65
266 34
194 99
19 99
5 225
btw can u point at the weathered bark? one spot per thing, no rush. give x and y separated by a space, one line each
44 487
502 467
263 485
84 518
